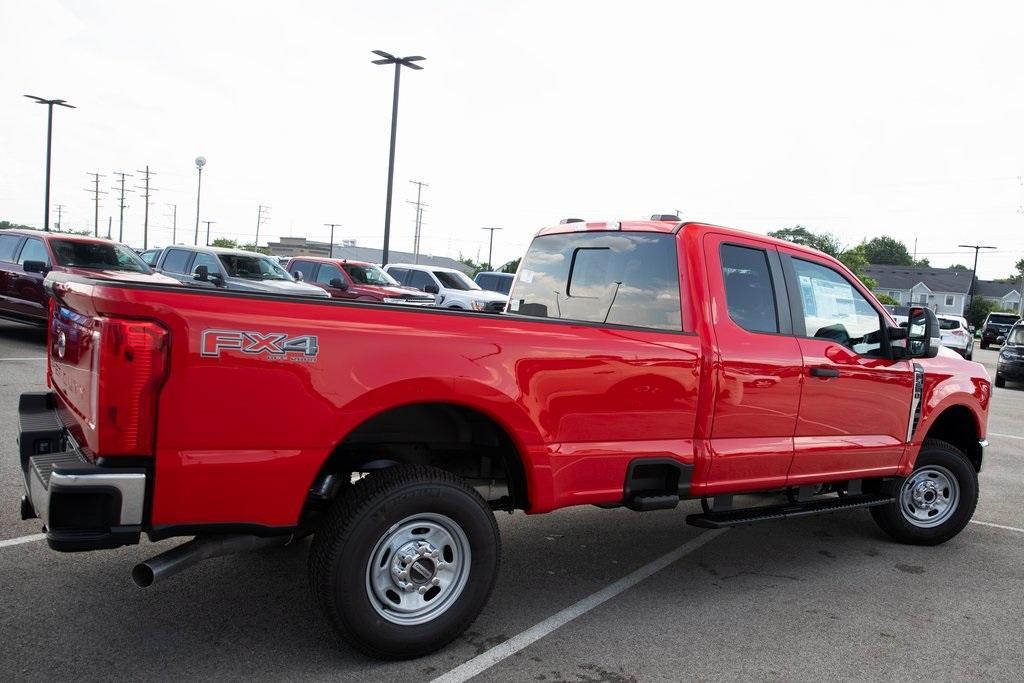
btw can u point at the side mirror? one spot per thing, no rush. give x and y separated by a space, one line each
338 283
299 277
922 333
36 267
431 288
201 273
217 279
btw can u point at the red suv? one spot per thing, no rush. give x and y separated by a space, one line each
356 280
26 256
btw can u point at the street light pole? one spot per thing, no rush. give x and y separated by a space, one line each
974 271
399 62
490 249
332 226
49 144
200 162
208 231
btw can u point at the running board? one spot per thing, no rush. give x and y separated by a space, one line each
768 513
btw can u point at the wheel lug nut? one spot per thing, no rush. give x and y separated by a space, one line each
435 581
421 590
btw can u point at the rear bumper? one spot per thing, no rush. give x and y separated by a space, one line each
83 506
1011 370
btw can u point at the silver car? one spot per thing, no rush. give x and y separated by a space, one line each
232 269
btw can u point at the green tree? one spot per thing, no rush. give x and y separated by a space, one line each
978 309
253 247
511 267
5 225
960 266
857 262
224 243
476 267
798 234
887 250
1019 265
887 300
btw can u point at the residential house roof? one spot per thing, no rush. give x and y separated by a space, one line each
995 290
935 279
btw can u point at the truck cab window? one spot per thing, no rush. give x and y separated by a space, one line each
176 260
33 251
749 293
420 280
304 267
615 278
204 259
834 309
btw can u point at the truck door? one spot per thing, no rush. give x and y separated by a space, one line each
28 298
855 404
8 265
757 373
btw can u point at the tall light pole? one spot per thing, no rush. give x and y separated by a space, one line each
200 162
208 231
399 62
49 144
333 226
974 271
490 249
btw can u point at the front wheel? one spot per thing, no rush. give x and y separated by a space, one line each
404 561
1000 381
936 501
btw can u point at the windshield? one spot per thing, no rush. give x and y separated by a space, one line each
455 280
1002 319
369 275
253 267
949 324
1016 336
97 255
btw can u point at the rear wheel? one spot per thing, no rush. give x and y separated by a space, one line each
936 501
404 561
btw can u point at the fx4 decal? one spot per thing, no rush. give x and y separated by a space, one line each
274 345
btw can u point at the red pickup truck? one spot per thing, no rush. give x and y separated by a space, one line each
638 364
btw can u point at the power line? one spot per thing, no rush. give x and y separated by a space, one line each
974 271
60 212
333 226
145 220
261 217
419 218
96 192
120 229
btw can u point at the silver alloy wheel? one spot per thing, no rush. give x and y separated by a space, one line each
929 496
418 569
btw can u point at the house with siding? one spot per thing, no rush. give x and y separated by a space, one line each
944 290
1004 295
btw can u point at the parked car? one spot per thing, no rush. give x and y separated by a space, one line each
232 269
150 256
1010 365
451 288
957 335
495 282
996 327
356 281
26 256
393 433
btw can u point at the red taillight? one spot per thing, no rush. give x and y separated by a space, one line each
131 369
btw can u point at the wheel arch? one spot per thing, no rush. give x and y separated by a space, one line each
959 426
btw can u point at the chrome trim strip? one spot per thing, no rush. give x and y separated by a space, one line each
132 487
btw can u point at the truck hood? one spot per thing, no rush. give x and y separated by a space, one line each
276 287
123 275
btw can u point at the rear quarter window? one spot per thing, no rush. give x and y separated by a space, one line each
8 243
615 278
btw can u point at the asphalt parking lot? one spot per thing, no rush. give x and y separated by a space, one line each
816 598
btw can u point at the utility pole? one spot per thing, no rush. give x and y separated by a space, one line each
49 144
399 62
174 222
333 226
60 212
208 231
96 192
974 271
110 224
419 218
200 162
260 218
145 220
490 249
120 229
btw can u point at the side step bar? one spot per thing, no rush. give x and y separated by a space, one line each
768 513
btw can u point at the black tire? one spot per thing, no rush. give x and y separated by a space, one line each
1000 381
984 345
366 513
945 457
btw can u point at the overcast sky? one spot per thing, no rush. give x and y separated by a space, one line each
856 118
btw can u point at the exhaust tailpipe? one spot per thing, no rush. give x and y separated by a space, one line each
200 548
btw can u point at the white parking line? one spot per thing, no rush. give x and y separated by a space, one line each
22 539
482 662
998 526
1006 436
33 358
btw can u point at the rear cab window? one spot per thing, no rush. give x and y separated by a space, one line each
33 250
8 244
614 278
749 290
